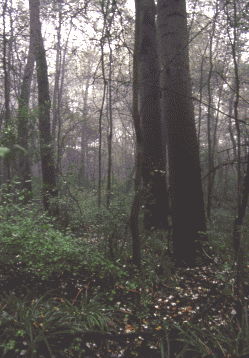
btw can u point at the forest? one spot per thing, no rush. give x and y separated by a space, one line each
124 178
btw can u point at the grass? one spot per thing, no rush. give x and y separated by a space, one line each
59 284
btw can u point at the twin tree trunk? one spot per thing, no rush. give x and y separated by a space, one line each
154 146
175 114
167 116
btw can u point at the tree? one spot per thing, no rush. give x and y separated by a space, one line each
210 119
242 188
47 162
110 131
187 205
153 143
6 64
6 69
23 160
84 127
138 164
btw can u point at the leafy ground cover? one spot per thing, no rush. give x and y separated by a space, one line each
57 286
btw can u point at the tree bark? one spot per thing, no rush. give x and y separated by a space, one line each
109 136
100 121
187 204
84 127
154 145
138 164
24 171
6 67
49 189
239 242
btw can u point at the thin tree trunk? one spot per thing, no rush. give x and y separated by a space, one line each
6 67
82 172
138 165
49 189
100 129
57 77
24 165
6 161
110 134
209 119
154 144
241 201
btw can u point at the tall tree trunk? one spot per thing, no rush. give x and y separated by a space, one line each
57 76
137 200
110 133
188 216
57 119
82 172
100 122
209 119
24 172
56 96
138 164
238 241
154 145
239 246
49 189
6 68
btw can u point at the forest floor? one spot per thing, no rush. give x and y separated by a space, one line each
198 300
192 292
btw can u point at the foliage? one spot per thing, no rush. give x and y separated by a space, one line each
48 322
61 283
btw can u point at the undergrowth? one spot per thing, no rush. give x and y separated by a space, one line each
59 283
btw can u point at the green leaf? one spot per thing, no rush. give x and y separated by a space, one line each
3 151
219 276
227 291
